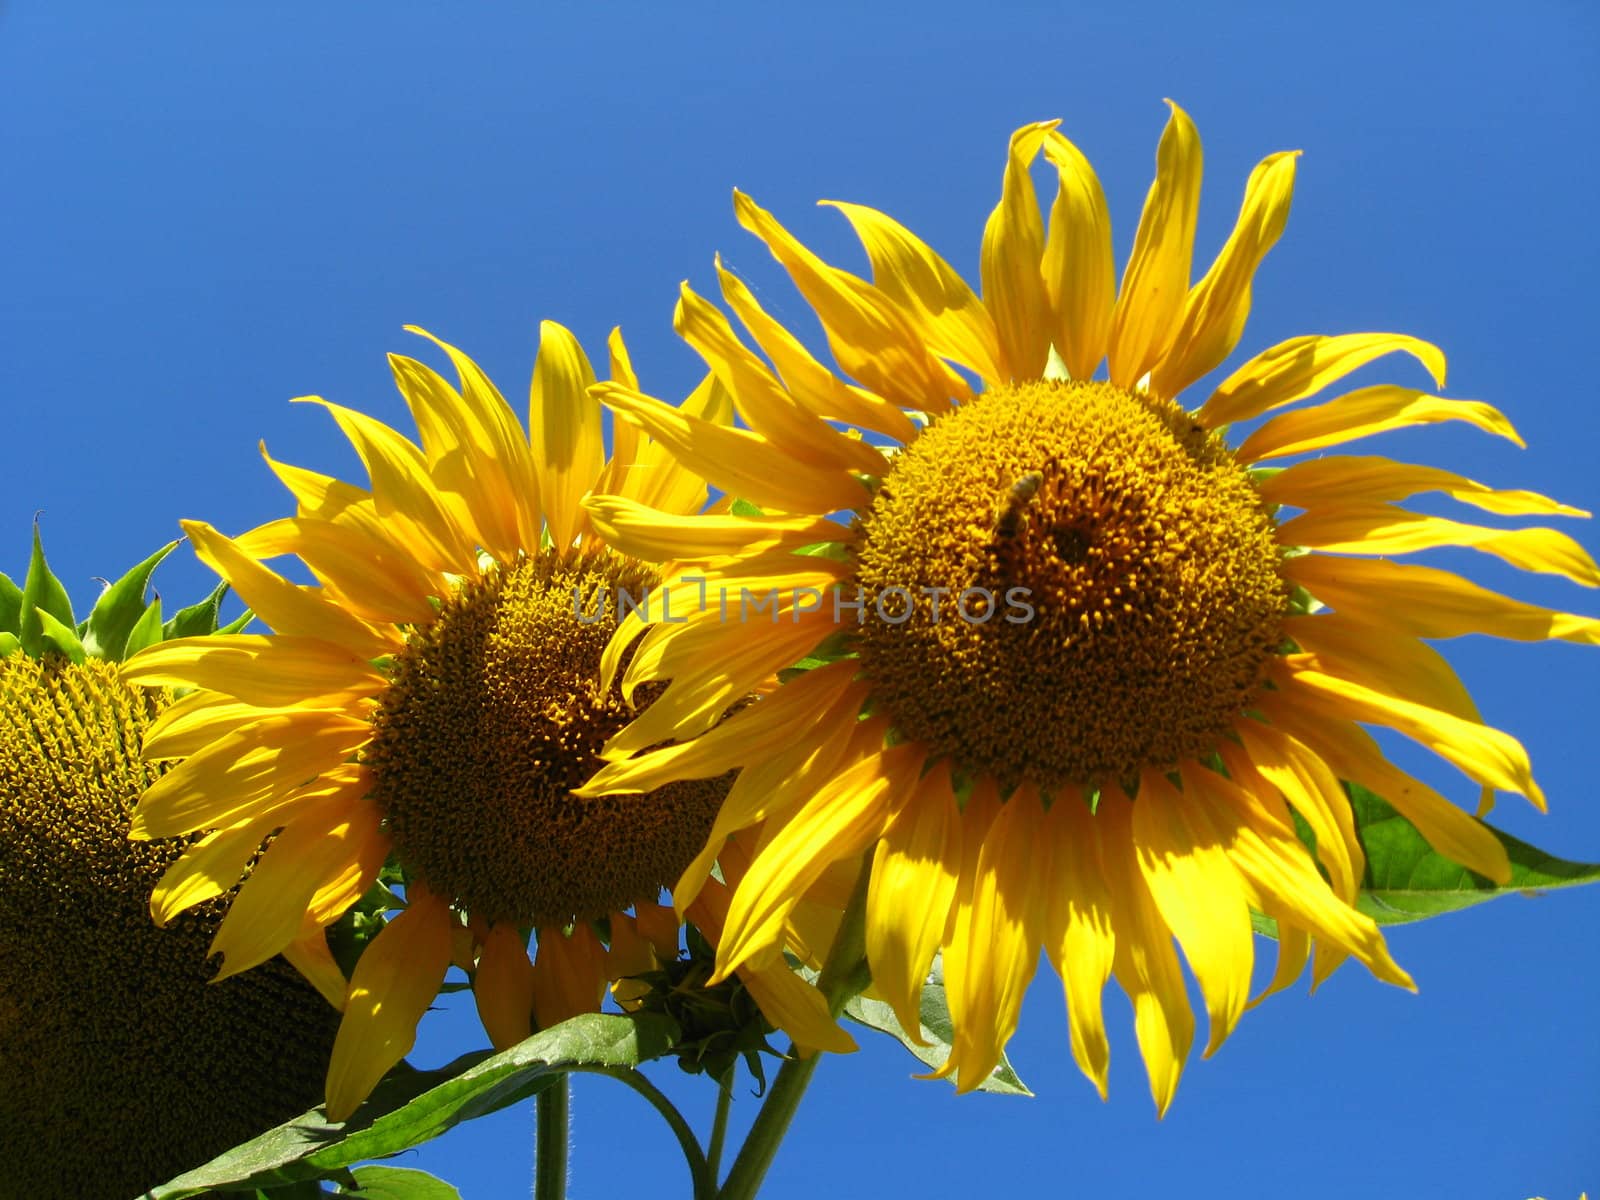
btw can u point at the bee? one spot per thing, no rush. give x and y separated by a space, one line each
1008 521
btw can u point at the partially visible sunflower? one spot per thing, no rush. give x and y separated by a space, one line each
123 1064
433 698
1081 692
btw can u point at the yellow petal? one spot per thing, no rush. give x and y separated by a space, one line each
289 609
505 505
1197 892
1276 866
1343 480
845 816
1363 413
1078 934
1156 279
750 735
913 883
871 338
1429 603
1301 366
503 987
1144 962
1080 274
1392 663
1313 789
326 848
769 791
812 385
1352 754
658 479
245 770
785 999
1484 754
654 536
947 314
1004 930
261 671
624 437
397 978
1386 529
1013 252
376 578
1215 311
309 954
405 493
797 1008
563 431
1294 947
569 974
195 721
316 494
738 461
210 867
760 399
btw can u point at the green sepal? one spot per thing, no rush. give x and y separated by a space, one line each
196 620
41 592
120 607
10 605
411 1107
743 508
9 644
938 1031
146 631
238 623
53 635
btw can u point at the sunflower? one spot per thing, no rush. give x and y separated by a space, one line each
432 699
123 1065
1072 676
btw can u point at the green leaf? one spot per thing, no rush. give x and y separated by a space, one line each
411 1107
119 609
743 508
10 605
53 635
937 1030
41 591
238 623
1407 880
399 1183
197 620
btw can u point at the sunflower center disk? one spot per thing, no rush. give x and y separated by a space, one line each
1137 542
494 714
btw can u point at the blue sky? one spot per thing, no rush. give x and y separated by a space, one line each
211 209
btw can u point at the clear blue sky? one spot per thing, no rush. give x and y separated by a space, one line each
209 209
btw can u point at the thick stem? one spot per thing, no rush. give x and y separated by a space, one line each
550 1148
843 976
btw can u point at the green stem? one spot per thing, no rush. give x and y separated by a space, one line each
719 1127
844 975
550 1148
705 1184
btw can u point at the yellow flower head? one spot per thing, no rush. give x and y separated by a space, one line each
433 698
1073 671
123 1064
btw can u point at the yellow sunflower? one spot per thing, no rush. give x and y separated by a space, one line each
1073 672
433 698
122 1064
